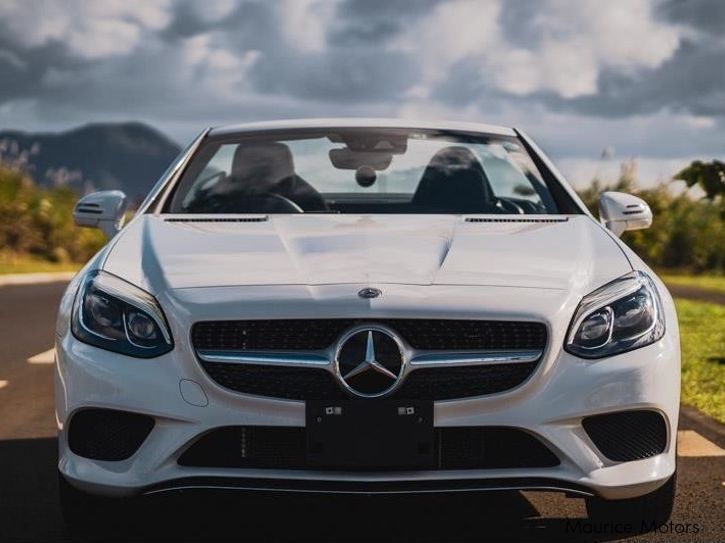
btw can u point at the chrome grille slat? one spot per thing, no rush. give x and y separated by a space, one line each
417 359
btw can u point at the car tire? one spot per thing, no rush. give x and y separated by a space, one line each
87 514
644 513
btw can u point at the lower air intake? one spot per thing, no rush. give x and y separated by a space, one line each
106 434
628 435
285 448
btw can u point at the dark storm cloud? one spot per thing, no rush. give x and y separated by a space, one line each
692 81
705 15
373 22
345 76
518 23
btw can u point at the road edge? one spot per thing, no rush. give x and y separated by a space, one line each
35 278
703 424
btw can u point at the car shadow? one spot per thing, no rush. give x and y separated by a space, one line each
29 511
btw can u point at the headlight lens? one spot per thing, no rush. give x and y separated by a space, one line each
623 315
118 316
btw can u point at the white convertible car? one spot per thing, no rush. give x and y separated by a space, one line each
367 306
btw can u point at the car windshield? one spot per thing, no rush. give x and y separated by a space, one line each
362 171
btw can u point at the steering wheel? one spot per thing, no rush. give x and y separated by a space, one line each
507 206
291 206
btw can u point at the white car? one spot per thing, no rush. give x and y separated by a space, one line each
367 306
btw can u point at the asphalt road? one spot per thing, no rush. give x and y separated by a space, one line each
29 510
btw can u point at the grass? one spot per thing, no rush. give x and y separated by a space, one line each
30 264
706 282
702 331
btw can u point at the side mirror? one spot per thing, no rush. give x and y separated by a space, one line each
620 211
104 209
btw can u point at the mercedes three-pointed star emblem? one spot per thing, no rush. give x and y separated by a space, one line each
369 361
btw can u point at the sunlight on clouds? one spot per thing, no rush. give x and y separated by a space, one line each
577 40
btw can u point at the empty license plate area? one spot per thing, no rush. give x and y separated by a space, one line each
374 434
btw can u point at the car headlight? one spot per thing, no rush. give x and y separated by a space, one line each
623 315
113 314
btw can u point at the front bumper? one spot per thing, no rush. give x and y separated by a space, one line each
550 405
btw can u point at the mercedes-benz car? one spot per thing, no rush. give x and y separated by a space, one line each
367 306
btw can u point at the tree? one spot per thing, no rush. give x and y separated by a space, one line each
710 176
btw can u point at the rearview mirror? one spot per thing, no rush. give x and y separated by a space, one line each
619 212
347 159
104 210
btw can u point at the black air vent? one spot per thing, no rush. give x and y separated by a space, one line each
218 219
523 219
106 434
89 208
628 435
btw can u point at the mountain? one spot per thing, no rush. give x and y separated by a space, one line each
127 156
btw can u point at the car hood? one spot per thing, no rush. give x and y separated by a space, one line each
174 252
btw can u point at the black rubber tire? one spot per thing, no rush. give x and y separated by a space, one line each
86 514
644 513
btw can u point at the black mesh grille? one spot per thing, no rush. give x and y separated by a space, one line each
492 448
285 448
318 384
314 334
248 446
275 381
628 435
463 382
105 434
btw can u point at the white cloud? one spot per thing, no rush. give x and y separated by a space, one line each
90 29
207 63
304 22
574 42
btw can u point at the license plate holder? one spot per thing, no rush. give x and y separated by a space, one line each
370 434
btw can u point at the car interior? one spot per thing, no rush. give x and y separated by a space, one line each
262 178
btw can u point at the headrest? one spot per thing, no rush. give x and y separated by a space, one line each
454 182
454 157
260 165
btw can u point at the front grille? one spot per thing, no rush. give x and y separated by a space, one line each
317 334
275 381
628 435
318 384
285 448
464 381
106 434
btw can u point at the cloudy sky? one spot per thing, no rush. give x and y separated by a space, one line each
640 78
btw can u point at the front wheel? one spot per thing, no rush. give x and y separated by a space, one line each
645 513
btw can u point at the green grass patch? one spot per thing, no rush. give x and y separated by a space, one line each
706 282
702 336
30 264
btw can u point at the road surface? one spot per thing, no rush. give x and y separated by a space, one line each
29 511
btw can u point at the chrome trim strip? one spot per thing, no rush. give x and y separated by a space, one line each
418 359
449 359
482 488
298 359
